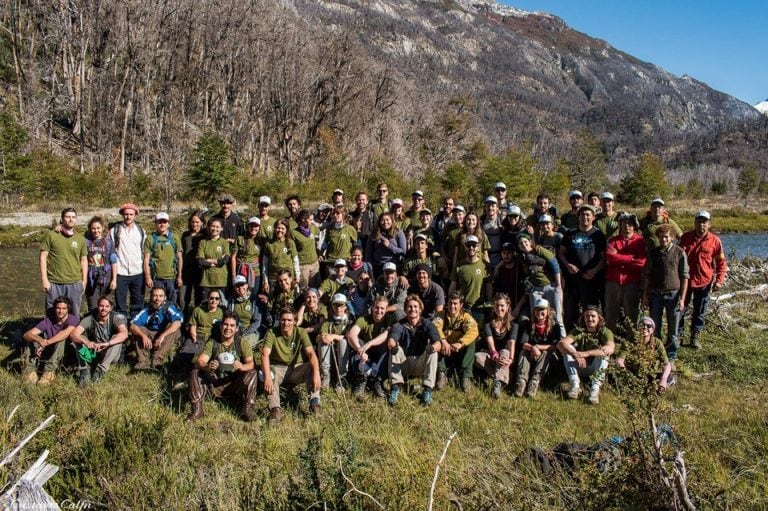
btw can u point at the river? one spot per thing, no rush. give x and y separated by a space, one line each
21 292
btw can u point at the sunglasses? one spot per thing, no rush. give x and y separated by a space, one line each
214 298
646 325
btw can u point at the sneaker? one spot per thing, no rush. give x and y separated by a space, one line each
442 381
47 378
594 395
140 367
325 382
466 385
84 378
496 390
533 387
426 396
276 415
520 388
30 377
695 344
359 390
98 374
671 380
314 406
574 392
394 393
378 389
339 389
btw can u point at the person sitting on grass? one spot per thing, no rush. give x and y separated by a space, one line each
154 331
496 347
332 345
366 339
225 366
587 349
414 344
46 342
538 345
100 336
647 356
282 365
458 333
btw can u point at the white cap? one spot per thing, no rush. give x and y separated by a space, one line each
657 200
264 199
340 262
339 298
254 220
239 280
544 219
514 210
471 239
574 193
703 214
459 207
417 193
500 185
606 196
397 202
420 236
339 191
161 216
541 303
390 267
491 198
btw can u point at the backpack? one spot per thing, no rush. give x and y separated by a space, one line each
171 241
116 234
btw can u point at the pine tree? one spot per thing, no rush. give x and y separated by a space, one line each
212 171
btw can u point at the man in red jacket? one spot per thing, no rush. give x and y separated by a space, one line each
708 268
625 259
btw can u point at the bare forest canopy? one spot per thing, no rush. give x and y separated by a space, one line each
297 86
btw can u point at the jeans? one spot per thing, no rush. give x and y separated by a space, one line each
700 298
666 301
595 370
132 285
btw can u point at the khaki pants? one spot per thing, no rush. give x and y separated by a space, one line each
423 366
289 377
158 354
48 361
309 275
499 372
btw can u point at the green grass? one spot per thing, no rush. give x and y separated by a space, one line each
124 444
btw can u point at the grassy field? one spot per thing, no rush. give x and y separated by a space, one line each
124 444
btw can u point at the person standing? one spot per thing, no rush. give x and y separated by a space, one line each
657 215
128 239
231 224
707 268
163 258
570 219
64 262
607 221
625 259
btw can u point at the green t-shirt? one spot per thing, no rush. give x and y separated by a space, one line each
286 350
369 329
204 320
162 256
330 286
248 250
213 249
211 350
609 225
586 341
244 311
281 254
64 254
306 246
267 230
340 242
651 357
333 327
649 232
461 255
470 278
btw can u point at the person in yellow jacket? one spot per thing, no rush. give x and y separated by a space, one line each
458 334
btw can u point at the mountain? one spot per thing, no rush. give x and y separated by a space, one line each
762 107
304 86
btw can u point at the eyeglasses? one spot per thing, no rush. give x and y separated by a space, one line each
214 298
383 190
646 325
161 221
471 245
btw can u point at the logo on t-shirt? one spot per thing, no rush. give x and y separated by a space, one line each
74 244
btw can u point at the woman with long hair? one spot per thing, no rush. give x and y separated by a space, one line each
101 256
387 245
496 347
213 258
542 276
279 254
537 348
471 227
190 271
246 259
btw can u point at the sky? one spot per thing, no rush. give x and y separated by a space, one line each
723 44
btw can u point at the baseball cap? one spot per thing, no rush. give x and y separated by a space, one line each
425 211
338 191
657 200
587 207
339 298
226 199
545 219
264 199
254 220
500 186
339 262
606 196
390 267
459 207
239 280
471 239
514 210
323 206
491 198
575 193
417 193
397 202
541 303
161 216
703 214
420 236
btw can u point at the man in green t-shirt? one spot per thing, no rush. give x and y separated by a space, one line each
282 364
224 367
64 262
586 351
163 258
471 279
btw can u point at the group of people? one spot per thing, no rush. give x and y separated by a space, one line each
366 298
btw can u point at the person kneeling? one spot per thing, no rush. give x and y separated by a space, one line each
224 366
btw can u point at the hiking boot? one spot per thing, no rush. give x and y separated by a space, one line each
247 412
47 378
594 395
339 389
276 415
140 367
197 411
30 377
359 390
520 388
325 382
695 344
442 381
466 384
84 378
496 390
98 374
426 396
378 389
574 392
314 406
394 393
671 380
533 386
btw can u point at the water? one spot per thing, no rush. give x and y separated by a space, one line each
21 289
